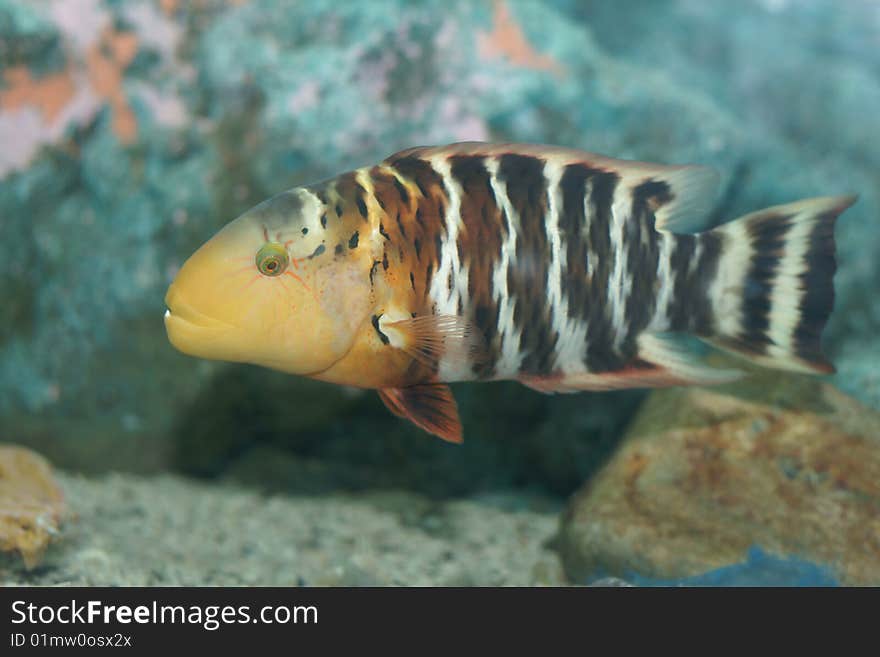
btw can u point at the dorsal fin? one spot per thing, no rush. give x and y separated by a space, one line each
693 190
684 194
430 406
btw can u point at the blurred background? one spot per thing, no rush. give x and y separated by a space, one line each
132 130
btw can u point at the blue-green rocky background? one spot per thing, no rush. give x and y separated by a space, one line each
236 101
131 131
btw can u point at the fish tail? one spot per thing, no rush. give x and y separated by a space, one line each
773 289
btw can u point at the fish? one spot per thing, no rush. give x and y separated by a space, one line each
561 269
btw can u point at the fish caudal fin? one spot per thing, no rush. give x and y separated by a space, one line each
773 290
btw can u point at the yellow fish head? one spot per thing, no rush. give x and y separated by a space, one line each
273 288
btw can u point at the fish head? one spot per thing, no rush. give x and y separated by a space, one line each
270 289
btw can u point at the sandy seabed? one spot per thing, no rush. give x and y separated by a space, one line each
167 531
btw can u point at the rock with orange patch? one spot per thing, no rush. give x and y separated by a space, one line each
785 463
106 62
31 504
507 41
49 94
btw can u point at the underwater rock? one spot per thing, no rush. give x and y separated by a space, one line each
757 569
31 504
784 463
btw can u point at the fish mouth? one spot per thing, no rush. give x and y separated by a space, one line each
191 317
177 311
192 332
195 334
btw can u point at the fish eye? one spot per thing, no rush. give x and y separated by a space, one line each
272 259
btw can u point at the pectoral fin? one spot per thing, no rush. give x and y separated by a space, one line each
429 406
432 337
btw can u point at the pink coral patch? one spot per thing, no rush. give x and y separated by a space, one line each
507 41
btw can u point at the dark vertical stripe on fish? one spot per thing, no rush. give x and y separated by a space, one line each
683 250
768 241
479 245
424 177
386 189
574 239
401 191
817 282
350 192
423 219
702 320
387 192
526 188
600 352
642 255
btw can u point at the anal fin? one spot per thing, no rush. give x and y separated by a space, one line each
430 406
665 350
660 363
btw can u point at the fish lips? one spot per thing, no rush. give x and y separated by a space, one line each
195 338
190 331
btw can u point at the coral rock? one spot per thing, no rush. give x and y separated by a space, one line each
31 504
783 463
